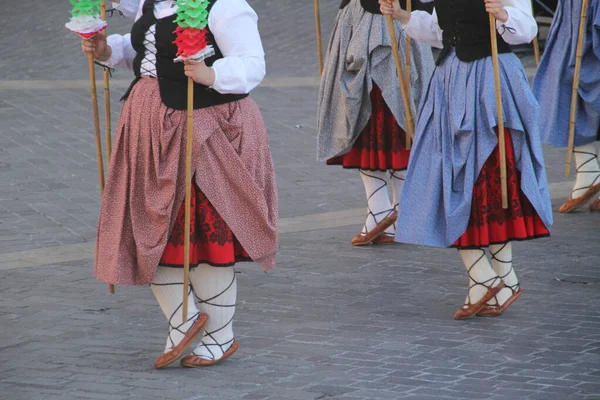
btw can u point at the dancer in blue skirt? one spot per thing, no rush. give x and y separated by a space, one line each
452 194
553 85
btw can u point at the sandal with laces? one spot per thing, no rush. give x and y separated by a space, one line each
195 361
590 191
469 309
496 311
196 329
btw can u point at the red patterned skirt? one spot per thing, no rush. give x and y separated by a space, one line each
211 240
382 143
489 223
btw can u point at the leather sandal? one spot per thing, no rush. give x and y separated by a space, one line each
384 239
370 236
472 309
193 361
595 206
496 311
591 191
573 204
196 329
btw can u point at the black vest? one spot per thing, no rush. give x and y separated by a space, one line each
172 81
465 26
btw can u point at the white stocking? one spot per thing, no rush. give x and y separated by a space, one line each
481 274
378 198
398 179
168 290
502 264
216 292
588 170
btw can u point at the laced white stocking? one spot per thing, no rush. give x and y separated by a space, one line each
398 179
168 290
378 198
216 292
502 264
481 274
588 170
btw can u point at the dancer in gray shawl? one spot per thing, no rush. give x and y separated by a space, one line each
361 121
452 192
552 86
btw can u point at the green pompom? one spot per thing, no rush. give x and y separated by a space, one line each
85 7
192 13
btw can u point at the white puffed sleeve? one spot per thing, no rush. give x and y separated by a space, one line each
129 8
235 27
423 27
521 26
123 53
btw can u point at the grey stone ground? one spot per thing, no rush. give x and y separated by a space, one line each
331 322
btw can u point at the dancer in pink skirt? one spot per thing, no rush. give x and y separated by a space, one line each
234 207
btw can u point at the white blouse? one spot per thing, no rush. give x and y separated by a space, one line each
234 25
518 29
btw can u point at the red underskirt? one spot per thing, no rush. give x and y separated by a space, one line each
489 223
211 240
381 145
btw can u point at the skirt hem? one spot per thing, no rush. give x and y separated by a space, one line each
370 169
231 264
474 247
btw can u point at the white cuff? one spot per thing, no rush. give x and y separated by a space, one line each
117 55
215 84
129 8
519 28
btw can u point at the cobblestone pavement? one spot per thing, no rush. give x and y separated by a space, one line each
332 322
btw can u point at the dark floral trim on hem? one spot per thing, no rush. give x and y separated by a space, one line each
237 260
372 170
545 235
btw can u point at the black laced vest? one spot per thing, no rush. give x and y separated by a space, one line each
466 28
171 78
372 6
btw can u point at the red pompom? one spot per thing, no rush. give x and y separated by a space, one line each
190 41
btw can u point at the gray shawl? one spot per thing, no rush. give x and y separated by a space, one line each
359 54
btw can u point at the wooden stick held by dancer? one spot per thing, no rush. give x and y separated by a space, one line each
319 37
576 80
536 42
99 158
107 116
410 127
536 50
188 197
499 108
407 55
107 122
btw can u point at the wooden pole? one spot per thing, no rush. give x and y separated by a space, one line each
319 38
99 160
188 197
107 124
576 80
407 55
410 127
536 42
501 140
536 50
107 116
